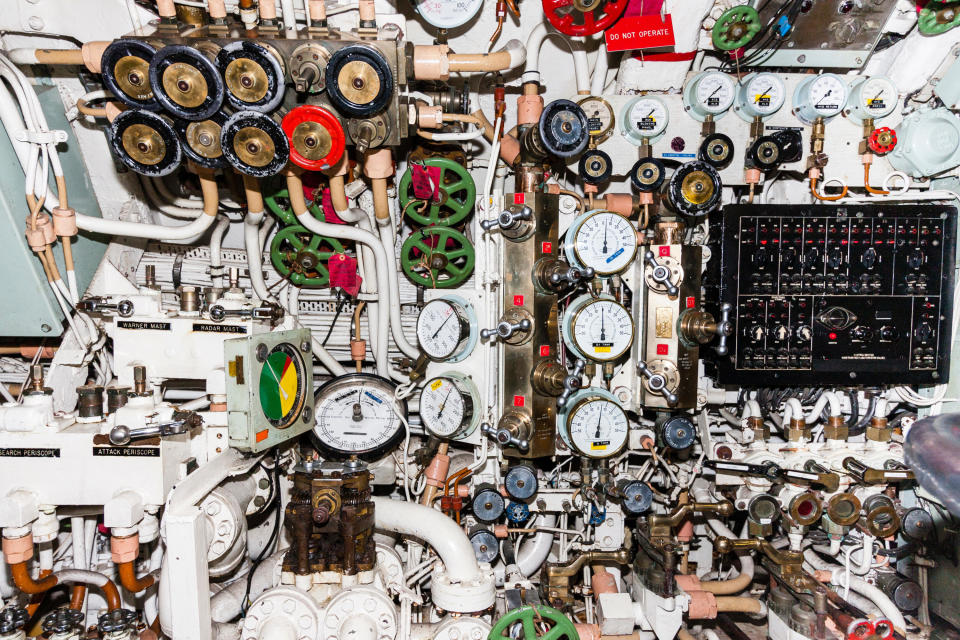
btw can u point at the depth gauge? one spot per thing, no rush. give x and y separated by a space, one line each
355 416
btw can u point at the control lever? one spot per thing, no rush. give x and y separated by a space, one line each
571 383
264 312
503 437
505 329
774 472
789 564
724 329
507 220
123 308
122 435
571 276
657 383
876 476
660 274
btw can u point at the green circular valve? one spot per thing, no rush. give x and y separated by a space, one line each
736 27
538 622
453 200
278 203
301 256
937 18
437 257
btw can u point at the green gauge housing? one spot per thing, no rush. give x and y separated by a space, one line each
269 388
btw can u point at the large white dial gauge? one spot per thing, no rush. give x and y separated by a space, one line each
872 98
448 406
444 329
760 95
599 329
710 93
448 14
597 427
644 117
603 240
355 416
822 96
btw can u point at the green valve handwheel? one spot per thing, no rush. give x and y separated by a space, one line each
437 257
454 198
301 256
936 18
736 27
538 622
278 203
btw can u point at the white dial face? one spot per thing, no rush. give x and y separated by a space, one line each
878 97
764 94
357 416
648 117
440 329
599 115
827 95
607 242
597 428
448 14
443 407
715 92
603 330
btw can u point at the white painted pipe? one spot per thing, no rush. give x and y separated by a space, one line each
436 529
251 243
396 325
534 42
599 78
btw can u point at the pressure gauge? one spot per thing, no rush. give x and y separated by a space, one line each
358 415
760 95
448 406
444 14
710 93
598 329
600 118
447 329
822 96
603 240
596 425
644 117
872 98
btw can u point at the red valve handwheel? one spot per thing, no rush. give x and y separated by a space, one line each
882 140
561 14
316 137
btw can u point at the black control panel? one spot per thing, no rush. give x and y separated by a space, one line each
847 295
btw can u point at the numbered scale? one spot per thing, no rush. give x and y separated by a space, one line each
603 240
644 118
444 14
598 329
269 383
448 406
357 415
593 424
447 329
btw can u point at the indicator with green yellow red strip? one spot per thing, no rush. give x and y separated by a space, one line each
282 385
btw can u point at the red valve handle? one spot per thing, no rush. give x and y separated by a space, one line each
312 113
882 140
594 21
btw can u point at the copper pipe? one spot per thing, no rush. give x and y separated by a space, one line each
77 594
130 581
25 582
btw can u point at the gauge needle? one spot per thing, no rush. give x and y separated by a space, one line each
443 405
757 99
649 114
599 418
603 332
825 96
435 333
279 386
606 223
714 93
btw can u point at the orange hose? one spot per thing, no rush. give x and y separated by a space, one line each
25 582
77 594
813 190
130 581
866 182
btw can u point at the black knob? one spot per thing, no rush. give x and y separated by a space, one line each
923 332
915 259
869 258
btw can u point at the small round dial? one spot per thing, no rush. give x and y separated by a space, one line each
709 93
444 329
872 98
600 118
282 385
822 96
355 415
444 14
599 329
760 95
597 427
644 117
603 240
447 406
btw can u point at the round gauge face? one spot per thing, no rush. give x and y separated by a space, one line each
715 92
647 117
445 408
355 416
877 97
448 14
827 95
282 385
441 329
605 241
597 428
600 118
602 330
762 95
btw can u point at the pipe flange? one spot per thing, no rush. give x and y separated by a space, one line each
462 628
226 522
463 597
360 611
288 611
